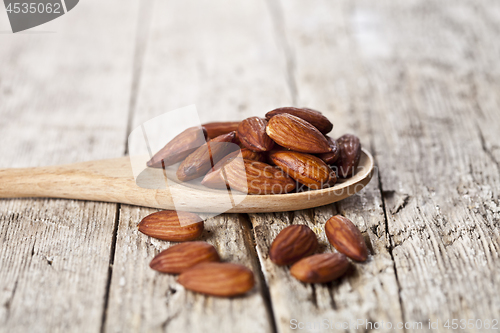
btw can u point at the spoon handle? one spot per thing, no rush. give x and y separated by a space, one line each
104 180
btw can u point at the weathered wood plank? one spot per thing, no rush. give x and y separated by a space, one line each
370 292
54 259
439 176
213 55
63 98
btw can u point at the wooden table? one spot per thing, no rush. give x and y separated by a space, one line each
418 81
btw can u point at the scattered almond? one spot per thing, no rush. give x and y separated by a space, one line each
218 279
171 225
178 258
320 268
293 243
346 238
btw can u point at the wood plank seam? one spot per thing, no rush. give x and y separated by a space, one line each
141 38
141 41
110 268
260 273
391 242
277 17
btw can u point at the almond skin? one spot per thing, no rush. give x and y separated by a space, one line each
313 117
220 127
199 162
178 258
179 147
254 177
320 268
331 157
248 154
276 148
218 279
332 181
297 134
292 244
346 238
215 178
252 134
173 226
304 168
350 154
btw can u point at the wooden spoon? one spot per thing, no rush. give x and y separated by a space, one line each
112 181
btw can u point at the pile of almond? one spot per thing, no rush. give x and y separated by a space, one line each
200 269
287 151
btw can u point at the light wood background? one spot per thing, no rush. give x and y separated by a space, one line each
418 81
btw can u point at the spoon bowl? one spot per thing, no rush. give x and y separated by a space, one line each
112 181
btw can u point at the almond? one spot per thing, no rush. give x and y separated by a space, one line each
292 244
332 181
346 238
178 258
216 129
276 148
296 134
179 147
252 134
248 154
218 279
304 168
215 178
254 177
313 117
171 225
320 268
199 162
331 157
350 154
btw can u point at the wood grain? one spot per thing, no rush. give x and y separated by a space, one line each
63 98
441 207
54 262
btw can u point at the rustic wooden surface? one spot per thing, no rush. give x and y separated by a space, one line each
418 81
